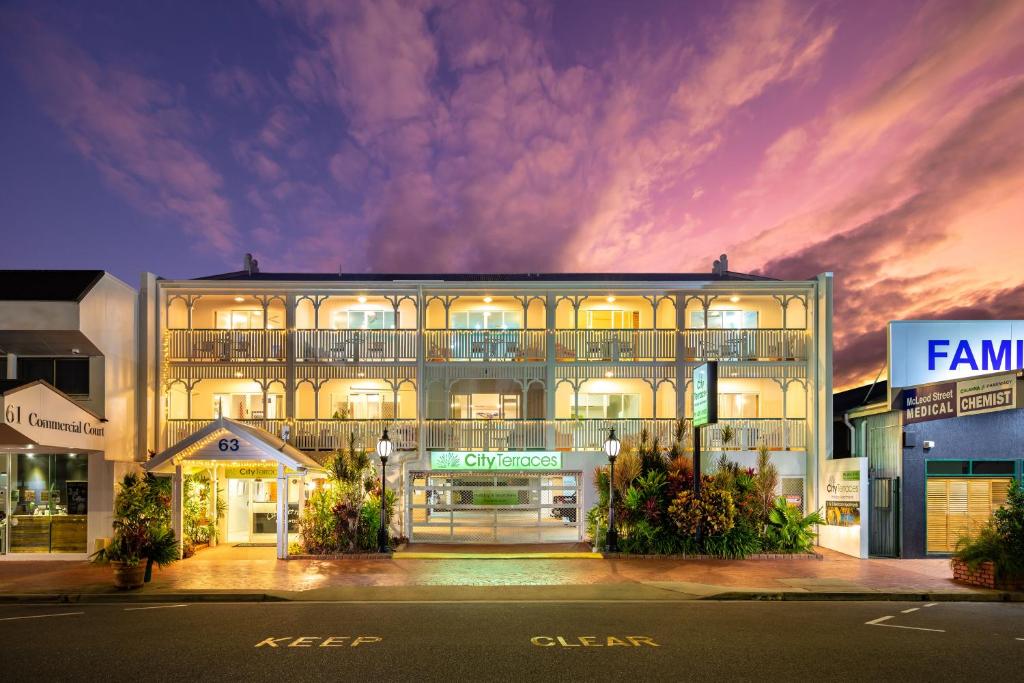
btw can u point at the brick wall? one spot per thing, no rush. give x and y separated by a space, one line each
984 575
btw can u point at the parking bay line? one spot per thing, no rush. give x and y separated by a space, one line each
42 616
879 620
136 609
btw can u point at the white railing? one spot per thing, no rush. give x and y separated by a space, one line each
615 345
318 435
490 435
748 434
227 345
755 344
590 435
485 345
355 346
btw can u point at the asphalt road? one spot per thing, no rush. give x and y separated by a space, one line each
522 641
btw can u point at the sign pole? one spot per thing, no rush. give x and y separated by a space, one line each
696 474
705 412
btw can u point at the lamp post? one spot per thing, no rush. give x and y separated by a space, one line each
384 448
611 449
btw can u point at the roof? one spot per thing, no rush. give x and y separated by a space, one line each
845 401
47 285
263 443
9 386
728 276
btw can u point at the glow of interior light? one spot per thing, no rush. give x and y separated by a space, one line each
488 299
734 298
610 299
239 299
238 375
362 299
608 373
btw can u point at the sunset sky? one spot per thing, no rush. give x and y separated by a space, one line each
882 141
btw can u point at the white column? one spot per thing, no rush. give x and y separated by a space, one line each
550 374
213 502
177 520
282 513
12 366
680 300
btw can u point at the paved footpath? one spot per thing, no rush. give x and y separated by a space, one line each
254 570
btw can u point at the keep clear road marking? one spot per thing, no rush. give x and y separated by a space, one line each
311 641
879 620
593 641
136 609
43 616
908 611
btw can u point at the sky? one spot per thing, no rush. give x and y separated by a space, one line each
881 141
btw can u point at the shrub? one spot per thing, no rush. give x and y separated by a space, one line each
142 524
714 512
766 481
1001 541
789 530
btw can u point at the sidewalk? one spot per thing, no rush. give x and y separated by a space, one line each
254 573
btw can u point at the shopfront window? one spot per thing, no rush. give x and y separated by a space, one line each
48 503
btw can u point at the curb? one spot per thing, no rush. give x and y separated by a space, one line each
496 556
756 557
792 596
127 597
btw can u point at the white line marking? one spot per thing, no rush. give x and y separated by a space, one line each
1020 639
931 604
42 616
136 609
912 609
875 622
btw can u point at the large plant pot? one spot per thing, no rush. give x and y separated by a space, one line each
127 577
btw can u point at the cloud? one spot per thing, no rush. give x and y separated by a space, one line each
237 85
135 130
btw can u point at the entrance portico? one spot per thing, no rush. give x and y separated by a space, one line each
234 451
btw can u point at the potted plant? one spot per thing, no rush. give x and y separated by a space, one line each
142 531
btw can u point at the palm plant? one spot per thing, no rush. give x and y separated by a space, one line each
142 525
789 530
766 480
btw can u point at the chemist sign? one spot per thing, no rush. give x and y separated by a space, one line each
972 396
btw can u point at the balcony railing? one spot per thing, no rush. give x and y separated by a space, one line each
755 344
318 435
355 346
590 435
227 345
615 345
469 435
484 345
748 434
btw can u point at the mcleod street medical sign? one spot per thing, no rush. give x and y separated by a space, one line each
959 399
929 351
495 460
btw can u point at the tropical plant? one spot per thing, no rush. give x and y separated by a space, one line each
789 530
1001 540
627 468
766 481
713 512
727 436
200 520
142 524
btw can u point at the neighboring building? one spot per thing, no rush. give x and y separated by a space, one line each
68 364
497 390
945 439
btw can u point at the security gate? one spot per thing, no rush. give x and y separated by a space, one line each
884 517
488 507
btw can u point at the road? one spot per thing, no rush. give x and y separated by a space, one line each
522 641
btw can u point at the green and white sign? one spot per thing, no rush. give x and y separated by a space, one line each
705 394
495 497
495 460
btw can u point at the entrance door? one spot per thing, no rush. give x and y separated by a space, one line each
884 518
239 516
252 509
505 507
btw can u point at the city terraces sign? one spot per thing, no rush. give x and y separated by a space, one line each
495 460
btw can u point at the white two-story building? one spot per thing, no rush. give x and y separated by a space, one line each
498 391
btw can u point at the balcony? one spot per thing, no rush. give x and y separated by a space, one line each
226 346
485 345
355 346
755 344
489 435
615 345
318 435
747 434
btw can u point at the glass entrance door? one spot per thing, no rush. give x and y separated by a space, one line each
252 509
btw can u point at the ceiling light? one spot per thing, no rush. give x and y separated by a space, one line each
488 299
28 445
362 299
734 298
611 299
608 373
239 299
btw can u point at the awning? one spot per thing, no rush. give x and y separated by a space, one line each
228 440
35 415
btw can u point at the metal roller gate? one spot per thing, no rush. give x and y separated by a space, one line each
488 507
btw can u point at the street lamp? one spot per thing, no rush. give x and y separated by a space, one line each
384 448
611 449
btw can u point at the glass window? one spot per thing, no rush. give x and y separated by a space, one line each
725 320
737 406
49 503
487 320
992 467
248 406
947 467
364 319
609 406
612 319
485 406
70 375
244 319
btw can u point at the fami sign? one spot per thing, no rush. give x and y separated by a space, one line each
495 460
929 351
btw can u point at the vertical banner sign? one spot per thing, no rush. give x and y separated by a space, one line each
705 394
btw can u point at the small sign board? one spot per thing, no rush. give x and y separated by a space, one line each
705 394
972 396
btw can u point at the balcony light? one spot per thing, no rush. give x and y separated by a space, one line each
488 299
608 373
239 299
610 299
238 375
734 298
362 299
